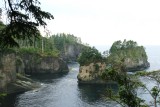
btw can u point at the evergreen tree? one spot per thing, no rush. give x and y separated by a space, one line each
24 17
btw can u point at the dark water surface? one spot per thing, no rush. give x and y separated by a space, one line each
62 90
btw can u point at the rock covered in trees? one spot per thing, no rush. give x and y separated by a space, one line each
89 55
91 66
130 54
123 56
68 45
62 45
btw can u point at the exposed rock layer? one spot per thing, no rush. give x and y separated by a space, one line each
12 64
71 52
91 73
43 64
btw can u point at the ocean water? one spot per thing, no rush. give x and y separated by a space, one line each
153 53
63 90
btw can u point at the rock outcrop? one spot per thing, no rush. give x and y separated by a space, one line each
71 52
91 73
7 69
14 66
11 74
43 64
136 65
21 84
130 54
133 59
124 56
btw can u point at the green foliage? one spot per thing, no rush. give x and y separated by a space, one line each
28 50
24 17
31 50
155 90
2 95
61 40
96 67
119 45
89 55
128 84
126 50
1 26
54 45
127 95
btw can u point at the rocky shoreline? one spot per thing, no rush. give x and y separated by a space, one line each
21 84
14 67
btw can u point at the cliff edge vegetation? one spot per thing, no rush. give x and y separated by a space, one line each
92 66
123 57
133 56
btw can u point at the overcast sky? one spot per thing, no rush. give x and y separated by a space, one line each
101 22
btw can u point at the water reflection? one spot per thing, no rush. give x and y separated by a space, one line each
95 92
61 90
47 78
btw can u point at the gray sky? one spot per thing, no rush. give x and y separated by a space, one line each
101 22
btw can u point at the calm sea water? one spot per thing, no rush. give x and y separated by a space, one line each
63 91
153 53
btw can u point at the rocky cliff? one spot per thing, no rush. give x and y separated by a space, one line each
14 66
136 65
35 63
72 51
133 59
124 56
11 75
7 69
92 73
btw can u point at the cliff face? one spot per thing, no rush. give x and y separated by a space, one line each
128 53
134 59
91 73
72 51
43 64
7 69
13 68
136 65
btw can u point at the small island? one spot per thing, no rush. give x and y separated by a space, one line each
128 53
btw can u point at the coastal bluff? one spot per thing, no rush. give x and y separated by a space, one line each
15 66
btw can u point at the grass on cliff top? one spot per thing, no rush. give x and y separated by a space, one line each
54 53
